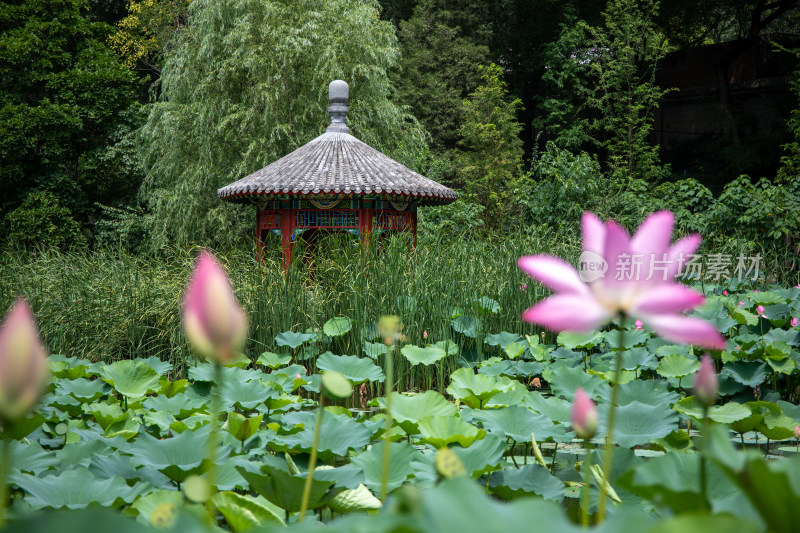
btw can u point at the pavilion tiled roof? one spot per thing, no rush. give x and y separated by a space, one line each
338 163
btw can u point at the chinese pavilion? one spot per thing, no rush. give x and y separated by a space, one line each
335 183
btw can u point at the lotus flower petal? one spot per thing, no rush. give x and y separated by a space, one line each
568 312
686 330
553 272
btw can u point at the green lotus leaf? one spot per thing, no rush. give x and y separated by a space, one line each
355 500
407 410
22 427
70 367
374 349
127 428
161 367
246 395
475 389
336 327
293 340
629 339
426 356
518 423
241 427
564 381
31 458
582 341
528 480
484 456
782 364
625 376
638 423
512 369
502 339
335 386
105 413
677 366
673 480
132 379
746 373
286 490
767 298
146 505
76 489
171 388
448 346
81 453
757 411
180 405
348 476
82 389
514 350
648 392
724 414
243 512
401 457
177 457
743 316
273 360
466 325
776 426
484 306
678 441
789 337
702 522
356 369
440 431
789 409
337 435
160 419
552 407
639 358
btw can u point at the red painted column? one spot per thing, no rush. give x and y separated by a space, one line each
414 227
365 223
287 228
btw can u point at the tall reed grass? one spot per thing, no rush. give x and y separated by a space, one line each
109 305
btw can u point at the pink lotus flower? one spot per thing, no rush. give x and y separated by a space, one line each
797 432
706 384
523 287
212 319
741 303
760 311
23 363
755 290
797 286
581 307
793 322
724 293
425 334
583 415
638 324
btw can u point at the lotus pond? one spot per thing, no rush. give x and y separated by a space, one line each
486 447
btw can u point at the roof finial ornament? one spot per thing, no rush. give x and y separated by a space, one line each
338 92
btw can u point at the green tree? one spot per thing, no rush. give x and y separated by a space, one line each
246 84
442 45
491 156
66 104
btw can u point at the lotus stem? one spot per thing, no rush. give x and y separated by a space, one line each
586 470
312 461
703 445
386 449
5 468
608 452
211 473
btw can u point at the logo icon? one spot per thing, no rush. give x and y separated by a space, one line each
592 266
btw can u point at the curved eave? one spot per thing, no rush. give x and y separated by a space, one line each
419 199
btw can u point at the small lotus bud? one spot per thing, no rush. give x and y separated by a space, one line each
797 432
212 319
638 324
425 334
793 322
724 293
760 311
584 415
523 287
23 363
706 384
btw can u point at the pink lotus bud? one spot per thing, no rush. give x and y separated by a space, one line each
298 376
23 363
755 290
638 324
523 287
760 311
584 415
793 322
425 334
724 293
316 330
797 286
797 432
741 303
706 384
212 319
